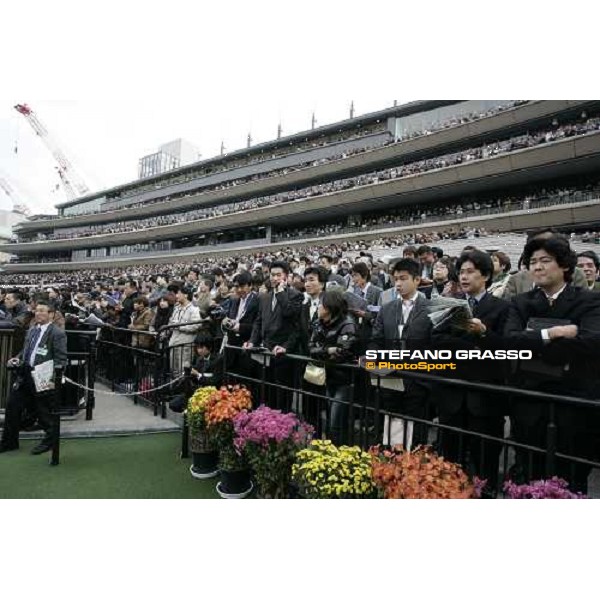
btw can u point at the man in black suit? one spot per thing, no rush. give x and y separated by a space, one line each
560 324
363 288
130 294
239 323
242 310
403 324
471 409
315 281
276 326
44 341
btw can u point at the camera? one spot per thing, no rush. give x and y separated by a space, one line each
217 312
228 324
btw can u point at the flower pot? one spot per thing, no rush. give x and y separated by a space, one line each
204 464
200 442
234 484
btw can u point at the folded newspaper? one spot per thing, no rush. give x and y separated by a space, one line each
43 376
449 313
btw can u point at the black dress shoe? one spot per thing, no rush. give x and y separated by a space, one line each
8 448
41 448
32 427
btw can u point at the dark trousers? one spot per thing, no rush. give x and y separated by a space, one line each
280 372
477 456
19 400
311 406
575 437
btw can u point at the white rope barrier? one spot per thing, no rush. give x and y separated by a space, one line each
65 379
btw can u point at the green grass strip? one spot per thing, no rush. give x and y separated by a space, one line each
139 466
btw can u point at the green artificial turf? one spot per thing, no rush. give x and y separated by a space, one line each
139 466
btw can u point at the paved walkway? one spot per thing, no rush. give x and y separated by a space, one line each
114 415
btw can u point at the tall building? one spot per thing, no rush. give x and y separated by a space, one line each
172 155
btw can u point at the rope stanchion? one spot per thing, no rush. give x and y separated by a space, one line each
160 387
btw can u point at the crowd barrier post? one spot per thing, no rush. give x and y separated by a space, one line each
551 440
56 401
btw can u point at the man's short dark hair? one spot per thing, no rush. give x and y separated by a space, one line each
320 272
204 339
411 249
327 257
178 286
51 307
410 265
424 249
482 261
280 264
591 254
132 283
243 279
559 248
361 269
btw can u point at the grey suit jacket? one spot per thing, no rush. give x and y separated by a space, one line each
522 282
53 345
372 296
416 329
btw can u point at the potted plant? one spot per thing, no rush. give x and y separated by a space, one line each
204 453
323 470
270 440
542 489
419 474
222 407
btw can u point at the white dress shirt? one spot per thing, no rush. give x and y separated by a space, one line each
35 348
407 306
551 300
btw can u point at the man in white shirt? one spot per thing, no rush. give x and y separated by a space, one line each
403 323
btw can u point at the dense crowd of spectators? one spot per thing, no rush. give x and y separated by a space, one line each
516 143
331 304
344 136
532 198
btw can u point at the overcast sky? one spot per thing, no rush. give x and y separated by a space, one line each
114 82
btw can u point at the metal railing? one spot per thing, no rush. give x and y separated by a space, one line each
360 416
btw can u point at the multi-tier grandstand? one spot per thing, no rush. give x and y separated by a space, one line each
438 166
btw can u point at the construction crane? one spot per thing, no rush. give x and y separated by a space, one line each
72 182
19 204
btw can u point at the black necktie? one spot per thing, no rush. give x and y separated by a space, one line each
35 336
472 303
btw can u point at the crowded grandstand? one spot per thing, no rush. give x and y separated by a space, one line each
468 200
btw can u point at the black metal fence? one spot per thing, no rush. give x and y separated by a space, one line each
361 409
136 364
8 348
357 407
